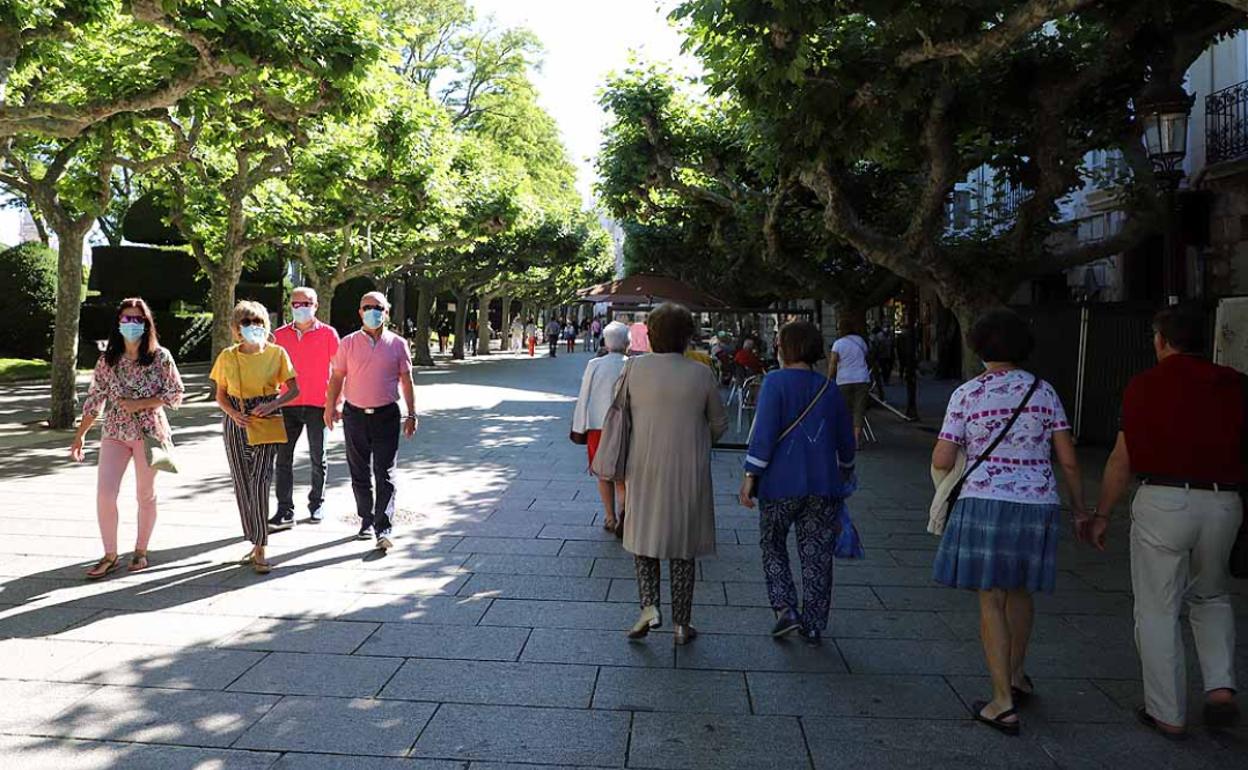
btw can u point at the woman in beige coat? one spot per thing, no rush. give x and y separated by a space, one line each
676 415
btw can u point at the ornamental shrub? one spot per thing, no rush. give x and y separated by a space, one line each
28 302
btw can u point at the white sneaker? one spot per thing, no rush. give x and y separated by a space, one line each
315 516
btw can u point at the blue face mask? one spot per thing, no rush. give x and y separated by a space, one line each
302 314
373 318
255 334
131 332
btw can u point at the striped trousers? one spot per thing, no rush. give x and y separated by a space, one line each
252 470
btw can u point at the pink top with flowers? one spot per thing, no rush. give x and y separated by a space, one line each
1020 469
130 379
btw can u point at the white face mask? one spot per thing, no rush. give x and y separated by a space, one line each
255 335
302 314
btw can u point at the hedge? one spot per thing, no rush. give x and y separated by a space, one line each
187 335
28 302
164 276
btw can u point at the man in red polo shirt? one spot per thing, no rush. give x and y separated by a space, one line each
311 345
1182 435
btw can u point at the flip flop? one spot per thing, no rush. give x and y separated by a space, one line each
997 722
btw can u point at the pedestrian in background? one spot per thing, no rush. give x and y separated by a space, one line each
1183 436
676 415
371 366
530 334
311 346
849 367
134 381
799 462
517 335
253 380
882 354
471 334
553 329
597 392
1001 534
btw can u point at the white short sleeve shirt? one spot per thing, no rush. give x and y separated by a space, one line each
851 365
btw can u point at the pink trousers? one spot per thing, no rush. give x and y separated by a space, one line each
115 455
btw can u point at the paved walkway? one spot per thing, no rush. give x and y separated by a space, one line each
492 636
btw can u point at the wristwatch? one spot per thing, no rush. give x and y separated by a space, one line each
410 417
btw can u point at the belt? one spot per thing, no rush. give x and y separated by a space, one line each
370 409
1212 486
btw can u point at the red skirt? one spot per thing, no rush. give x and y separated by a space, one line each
594 437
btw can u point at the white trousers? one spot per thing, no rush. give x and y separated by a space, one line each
1180 542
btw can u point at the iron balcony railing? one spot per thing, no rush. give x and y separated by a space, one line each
1226 124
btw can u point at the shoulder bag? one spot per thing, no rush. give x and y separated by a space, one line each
1239 551
611 461
159 454
942 505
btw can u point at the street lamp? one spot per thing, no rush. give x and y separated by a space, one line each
1164 109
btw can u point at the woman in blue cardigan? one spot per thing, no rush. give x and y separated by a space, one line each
800 465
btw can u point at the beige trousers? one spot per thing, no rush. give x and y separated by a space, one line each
1180 542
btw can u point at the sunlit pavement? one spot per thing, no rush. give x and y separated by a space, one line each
492 636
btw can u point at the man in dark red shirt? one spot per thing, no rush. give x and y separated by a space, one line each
1182 435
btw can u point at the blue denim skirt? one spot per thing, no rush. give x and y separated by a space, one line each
998 544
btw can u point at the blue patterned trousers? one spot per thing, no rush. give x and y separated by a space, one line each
818 524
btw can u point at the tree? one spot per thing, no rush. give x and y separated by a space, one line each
700 200
929 94
75 75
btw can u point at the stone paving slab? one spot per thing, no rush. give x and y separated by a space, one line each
342 676
605 648
450 642
136 665
270 634
755 653
143 715
517 734
855 695
679 741
638 690
40 703
916 743
69 754
296 761
536 587
494 683
437 610
339 726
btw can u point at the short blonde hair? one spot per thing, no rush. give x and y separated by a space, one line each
248 309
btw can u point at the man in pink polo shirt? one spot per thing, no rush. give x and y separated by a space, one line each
311 345
371 366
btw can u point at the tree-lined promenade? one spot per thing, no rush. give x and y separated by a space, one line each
357 139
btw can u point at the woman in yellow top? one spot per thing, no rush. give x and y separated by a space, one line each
248 377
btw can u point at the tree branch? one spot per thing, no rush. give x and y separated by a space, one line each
1023 21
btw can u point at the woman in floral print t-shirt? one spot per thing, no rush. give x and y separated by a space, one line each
1001 535
133 382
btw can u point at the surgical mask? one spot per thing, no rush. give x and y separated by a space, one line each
373 318
255 335
302 314
131 332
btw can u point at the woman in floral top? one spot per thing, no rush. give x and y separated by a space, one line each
134 381
1001 536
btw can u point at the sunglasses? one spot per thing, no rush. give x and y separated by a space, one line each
133 319
372 307
301 304
251 322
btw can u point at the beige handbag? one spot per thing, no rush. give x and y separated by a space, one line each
611 460
944 481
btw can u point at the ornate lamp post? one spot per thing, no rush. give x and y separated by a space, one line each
1164 108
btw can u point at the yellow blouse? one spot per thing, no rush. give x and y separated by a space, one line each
251 375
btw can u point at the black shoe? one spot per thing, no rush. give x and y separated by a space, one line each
998 722
365 533
281 521
787 623
813 638
1147 720
1221 714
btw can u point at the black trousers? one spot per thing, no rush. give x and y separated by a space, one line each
554 346
372 438
296 417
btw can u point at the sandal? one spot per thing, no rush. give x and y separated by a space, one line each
1020 695
610 525
138 561
261 567
102 568
998 722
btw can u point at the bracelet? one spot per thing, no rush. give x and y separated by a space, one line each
410 417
